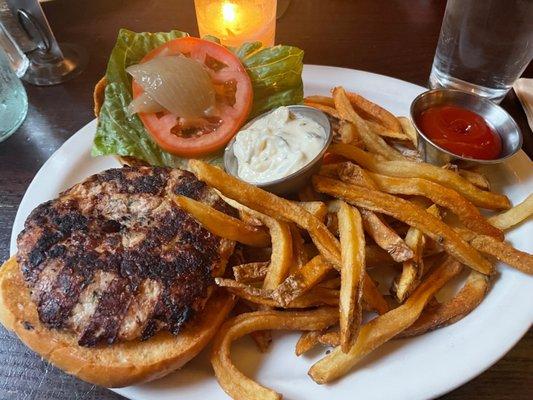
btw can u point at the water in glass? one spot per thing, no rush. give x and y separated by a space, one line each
484 46
13 100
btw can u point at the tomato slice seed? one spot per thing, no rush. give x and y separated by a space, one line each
214 64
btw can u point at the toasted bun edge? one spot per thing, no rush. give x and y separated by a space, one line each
117 365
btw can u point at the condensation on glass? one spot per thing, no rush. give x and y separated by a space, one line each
484 46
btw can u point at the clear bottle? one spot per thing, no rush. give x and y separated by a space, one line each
484 46
17 59
13 99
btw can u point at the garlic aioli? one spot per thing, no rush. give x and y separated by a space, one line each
277 145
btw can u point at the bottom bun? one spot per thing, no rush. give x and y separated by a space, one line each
117 365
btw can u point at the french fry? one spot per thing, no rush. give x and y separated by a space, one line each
408 169
374 226
302 280
316 296
222 224
317 99
332 223
410 214
385 237
475 178
281 258
280 263
331 170
467 299
353 173
251 272
323 107
375 256
504 252
372 141
332 338
413 269
352 240
311 250
435 317
385 327
347 133
441 195
500 250
385 132
299 253
409 130
281 239
372 297
308 194
255 254
235 383
513 216
332 272
307 341
276 207
262 339
333 283
250 198
317 208
249 219
327 105
372 111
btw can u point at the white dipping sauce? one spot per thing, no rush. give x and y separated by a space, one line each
277 145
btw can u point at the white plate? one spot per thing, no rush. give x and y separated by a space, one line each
418 368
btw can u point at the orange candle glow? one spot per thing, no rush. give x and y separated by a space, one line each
235 22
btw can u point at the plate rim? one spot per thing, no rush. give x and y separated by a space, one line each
443 385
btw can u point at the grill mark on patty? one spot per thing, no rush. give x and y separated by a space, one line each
140 308
55 306
84 310
187 185
114 258
106 319
137 180
46 280
37 254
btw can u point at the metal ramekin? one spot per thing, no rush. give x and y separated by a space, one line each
495 116
297 180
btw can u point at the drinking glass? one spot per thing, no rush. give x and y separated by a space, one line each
484 46
13 100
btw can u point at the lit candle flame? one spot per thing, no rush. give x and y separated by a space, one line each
229 12
235 22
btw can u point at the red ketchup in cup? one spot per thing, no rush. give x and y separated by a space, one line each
461 132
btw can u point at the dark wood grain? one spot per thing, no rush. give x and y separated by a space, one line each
395 38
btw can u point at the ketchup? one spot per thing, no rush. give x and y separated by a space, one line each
461 132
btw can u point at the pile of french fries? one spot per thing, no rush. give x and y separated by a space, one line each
307 264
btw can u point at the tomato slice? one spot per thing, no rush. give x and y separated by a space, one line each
233 101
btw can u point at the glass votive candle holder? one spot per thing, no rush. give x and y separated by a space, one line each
235 22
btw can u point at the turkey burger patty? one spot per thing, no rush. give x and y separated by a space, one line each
114 258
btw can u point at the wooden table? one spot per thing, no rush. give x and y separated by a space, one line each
390 37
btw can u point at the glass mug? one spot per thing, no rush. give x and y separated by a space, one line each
484 46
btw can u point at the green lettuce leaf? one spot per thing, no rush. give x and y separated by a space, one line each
275 73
